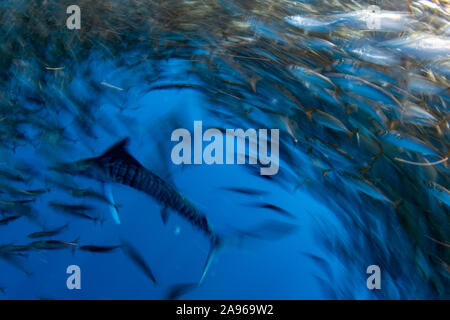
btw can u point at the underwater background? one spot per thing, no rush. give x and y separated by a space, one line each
359 96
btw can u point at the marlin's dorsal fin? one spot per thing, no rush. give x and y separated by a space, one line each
117 149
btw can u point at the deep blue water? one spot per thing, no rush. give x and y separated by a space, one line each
329 231
262 270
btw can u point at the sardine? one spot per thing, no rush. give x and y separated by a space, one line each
246 191
407 142
439 192
137 259
99 249
53 244
49 233
8 220
75 210
272 207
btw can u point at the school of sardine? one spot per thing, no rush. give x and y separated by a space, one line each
360 97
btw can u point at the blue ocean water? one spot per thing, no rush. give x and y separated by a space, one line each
345 203
272 269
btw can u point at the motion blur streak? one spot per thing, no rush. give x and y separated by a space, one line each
358 105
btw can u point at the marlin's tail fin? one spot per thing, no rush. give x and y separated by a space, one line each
268 230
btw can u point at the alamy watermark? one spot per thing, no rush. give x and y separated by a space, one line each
73 22
74 280
373 19
374 281
234 140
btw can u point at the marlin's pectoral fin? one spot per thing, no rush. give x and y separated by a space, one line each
164 214
113 207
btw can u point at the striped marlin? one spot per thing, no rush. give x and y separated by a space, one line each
118 166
